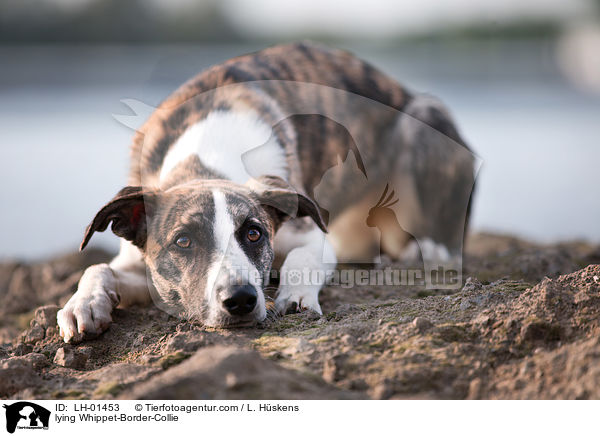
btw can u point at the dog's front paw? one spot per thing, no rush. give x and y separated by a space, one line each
85 316
87 313
292 299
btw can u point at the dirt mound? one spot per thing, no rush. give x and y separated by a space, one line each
555 327
218 372
501 336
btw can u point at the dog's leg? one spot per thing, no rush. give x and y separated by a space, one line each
304 271
102 288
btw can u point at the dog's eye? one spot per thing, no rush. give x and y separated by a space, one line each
183 241
253 234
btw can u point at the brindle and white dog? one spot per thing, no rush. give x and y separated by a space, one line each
224 179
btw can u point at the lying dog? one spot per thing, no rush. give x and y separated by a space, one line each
226 173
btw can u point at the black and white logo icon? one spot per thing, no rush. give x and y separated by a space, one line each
26 415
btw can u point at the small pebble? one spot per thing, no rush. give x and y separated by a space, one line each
46 316
34 334
37 360
422 324
231 380
70 358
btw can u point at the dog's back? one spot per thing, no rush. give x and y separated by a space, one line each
323 103
272 71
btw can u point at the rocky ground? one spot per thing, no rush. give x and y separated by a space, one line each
525 325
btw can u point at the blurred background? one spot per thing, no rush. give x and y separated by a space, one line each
521 78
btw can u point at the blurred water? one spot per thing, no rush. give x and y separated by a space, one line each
62 155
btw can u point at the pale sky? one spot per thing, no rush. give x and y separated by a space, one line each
386 17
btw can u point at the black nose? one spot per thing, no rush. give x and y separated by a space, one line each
242 301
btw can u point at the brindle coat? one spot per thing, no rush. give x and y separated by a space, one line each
321 104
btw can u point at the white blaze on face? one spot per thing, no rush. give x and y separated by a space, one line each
229 260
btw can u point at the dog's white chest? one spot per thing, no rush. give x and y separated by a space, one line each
237 145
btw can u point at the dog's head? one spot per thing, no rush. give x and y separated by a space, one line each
207 244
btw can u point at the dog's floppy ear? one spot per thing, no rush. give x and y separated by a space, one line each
282 202
127 211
